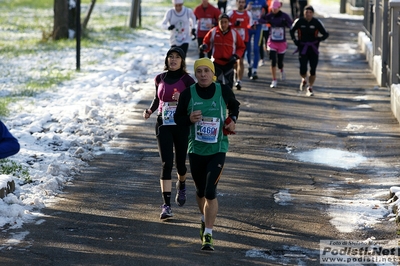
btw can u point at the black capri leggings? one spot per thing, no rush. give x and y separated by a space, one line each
206 171
167 138
273 56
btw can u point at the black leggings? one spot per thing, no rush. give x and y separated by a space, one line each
224 74
302 5
294 9
167 138
309 57
264 39
222 6
273 55
206 172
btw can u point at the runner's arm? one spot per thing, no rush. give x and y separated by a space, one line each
181 116
293 30
231 102
156 101
166 20
323 31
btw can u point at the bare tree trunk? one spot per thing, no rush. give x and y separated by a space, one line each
86 21
60 29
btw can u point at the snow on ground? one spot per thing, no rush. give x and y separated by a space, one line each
60 130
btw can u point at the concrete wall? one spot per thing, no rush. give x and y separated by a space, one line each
375 63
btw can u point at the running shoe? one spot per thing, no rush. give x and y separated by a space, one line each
166 212
283 75
303 84
309 91
207 242
254 76
202 228
249 72
238 85
274 84
180 198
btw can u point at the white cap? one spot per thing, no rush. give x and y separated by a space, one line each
177 2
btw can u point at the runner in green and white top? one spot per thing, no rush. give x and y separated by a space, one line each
210 110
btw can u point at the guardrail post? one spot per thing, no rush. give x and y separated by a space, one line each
394 37
376 29
384 41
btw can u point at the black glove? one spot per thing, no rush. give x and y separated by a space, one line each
203 47
237 23
233 59
296 42
194 34
171 27
319 39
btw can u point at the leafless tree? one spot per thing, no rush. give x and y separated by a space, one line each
60 28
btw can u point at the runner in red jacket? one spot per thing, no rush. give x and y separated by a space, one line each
207 18
227 47
241 20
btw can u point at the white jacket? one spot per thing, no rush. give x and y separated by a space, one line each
183 21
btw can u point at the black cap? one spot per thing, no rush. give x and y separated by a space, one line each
223 15
309 8
178 50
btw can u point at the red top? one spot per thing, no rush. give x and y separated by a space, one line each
244 19
207 18
224 45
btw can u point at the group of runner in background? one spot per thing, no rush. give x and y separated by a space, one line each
260 25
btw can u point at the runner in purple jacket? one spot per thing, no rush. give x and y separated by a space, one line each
276 43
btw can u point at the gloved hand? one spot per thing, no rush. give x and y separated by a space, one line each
226 132
233 58
237 23
194 36
171 27
203 47
296 42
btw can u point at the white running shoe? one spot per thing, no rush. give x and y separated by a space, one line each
238 85
310 91
303 84
283 75
274 84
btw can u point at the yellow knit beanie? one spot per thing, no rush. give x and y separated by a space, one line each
205 62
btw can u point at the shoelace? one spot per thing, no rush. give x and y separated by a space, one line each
165 208
182 194
208 238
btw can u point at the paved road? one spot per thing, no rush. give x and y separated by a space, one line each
110 215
